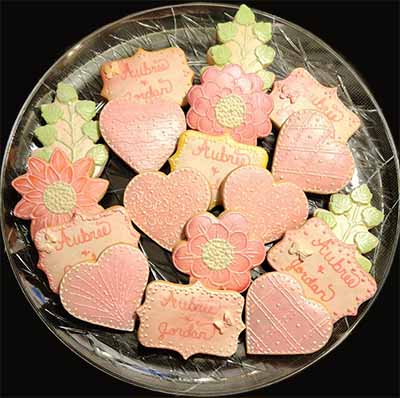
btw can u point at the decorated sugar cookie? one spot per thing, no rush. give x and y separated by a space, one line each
271 207
219 252
350 217
70 128
190 319
326 268
80 240
143 135
281 321
243 43
306 155
148 75
215 157
108 291
53 192
230 101
160 205
300 91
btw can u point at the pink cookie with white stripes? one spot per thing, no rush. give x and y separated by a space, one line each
271 207
107 292
143 135
281 321
306 155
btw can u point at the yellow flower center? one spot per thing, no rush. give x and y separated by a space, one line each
59 197
230 111
217 254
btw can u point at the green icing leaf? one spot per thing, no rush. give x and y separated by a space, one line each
267 77
265 54
66 93
362 194
364 262
99 154
263 31
51 113
87 109
46 134
43 153
91 129
326 216
226 31
340 203
365 241
372 217
220 54
245 16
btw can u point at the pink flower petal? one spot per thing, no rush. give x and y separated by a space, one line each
238 240
37 224
79 184
83 167
263 129
34 196
217 231
201 106
214 100
226 91
234 70
193 119
245 85
89 210
194 93
95 188
40 211
37 167
210 74
217 128
235 222
240 263
38 183
195 245
59 161
198 225
52 176
22 184
220 278
211 89
257 82
255 252
205 125
238 91
82 199
239 281
67 174
23 209
199 269
183 258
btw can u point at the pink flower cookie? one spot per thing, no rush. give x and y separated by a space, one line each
143 135
326 268
160 205
190 319
230 101
53 192
107 292
271 207
219 252
281 321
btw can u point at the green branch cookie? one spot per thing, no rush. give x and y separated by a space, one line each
70 128
243 43
350 217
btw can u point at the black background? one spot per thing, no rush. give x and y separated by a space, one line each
34 362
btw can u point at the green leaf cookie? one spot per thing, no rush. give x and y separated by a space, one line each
350 217
364 262
242 42
70 128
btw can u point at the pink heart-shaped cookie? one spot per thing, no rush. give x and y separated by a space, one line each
160 205
306 155
280 320
143 135
272 208
109 291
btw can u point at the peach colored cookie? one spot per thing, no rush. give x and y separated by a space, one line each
219 252
160 205
281 321
326 268
53 192
306 155
271 207
70 128
143 135
81 239
148 75
300 91
107 292
215 157
190 319
230 101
